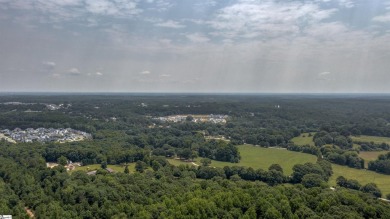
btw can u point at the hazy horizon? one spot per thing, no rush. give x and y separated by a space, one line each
163 46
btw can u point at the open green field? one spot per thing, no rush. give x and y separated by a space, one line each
362 176
370 155
304 139
375 139
117 168
258 157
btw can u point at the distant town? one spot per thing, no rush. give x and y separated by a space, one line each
49 106
43 135
194 118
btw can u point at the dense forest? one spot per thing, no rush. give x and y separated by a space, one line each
125 131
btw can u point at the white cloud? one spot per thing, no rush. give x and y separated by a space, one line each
95 74
165 75
74 72
347 3
324 76
170 24
49 64
116 7
382 18
268 18
197 38
146 72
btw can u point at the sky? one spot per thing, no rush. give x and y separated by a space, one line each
246 46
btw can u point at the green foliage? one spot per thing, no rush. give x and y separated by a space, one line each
205 161
103 165
62 161
127 171
372 189
140 166
275 167
312 180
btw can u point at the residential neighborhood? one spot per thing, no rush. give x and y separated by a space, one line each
195 118
44 135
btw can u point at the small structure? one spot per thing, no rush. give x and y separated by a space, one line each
110 170
92 173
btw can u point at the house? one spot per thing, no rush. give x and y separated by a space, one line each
92 173
110 170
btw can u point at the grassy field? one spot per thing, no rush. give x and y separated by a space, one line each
304 139
362 176
258 157
117 168
370 155
375 139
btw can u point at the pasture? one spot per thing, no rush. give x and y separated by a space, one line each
375 139
370 155
304 139
362 176
257 157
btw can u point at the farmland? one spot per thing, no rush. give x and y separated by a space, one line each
257 157
375 139
304 139
370 155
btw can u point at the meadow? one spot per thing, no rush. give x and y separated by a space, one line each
375 139
370 155
304 139
258 157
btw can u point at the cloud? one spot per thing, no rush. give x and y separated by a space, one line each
116 8
48 66
74 72
382 18
347 3
197 38
165 76
95 74
324 76
267 18
170 24
146 72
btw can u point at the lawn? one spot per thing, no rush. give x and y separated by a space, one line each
362 176
258 157
370 155
304 139
375 139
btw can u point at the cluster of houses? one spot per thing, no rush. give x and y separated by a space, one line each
195 118
45 135
49 106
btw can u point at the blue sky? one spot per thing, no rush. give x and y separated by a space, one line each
195 46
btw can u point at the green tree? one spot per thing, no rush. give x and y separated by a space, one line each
62 161
312 180
205 162
126 169
140 166
372 189
103 165
276 167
